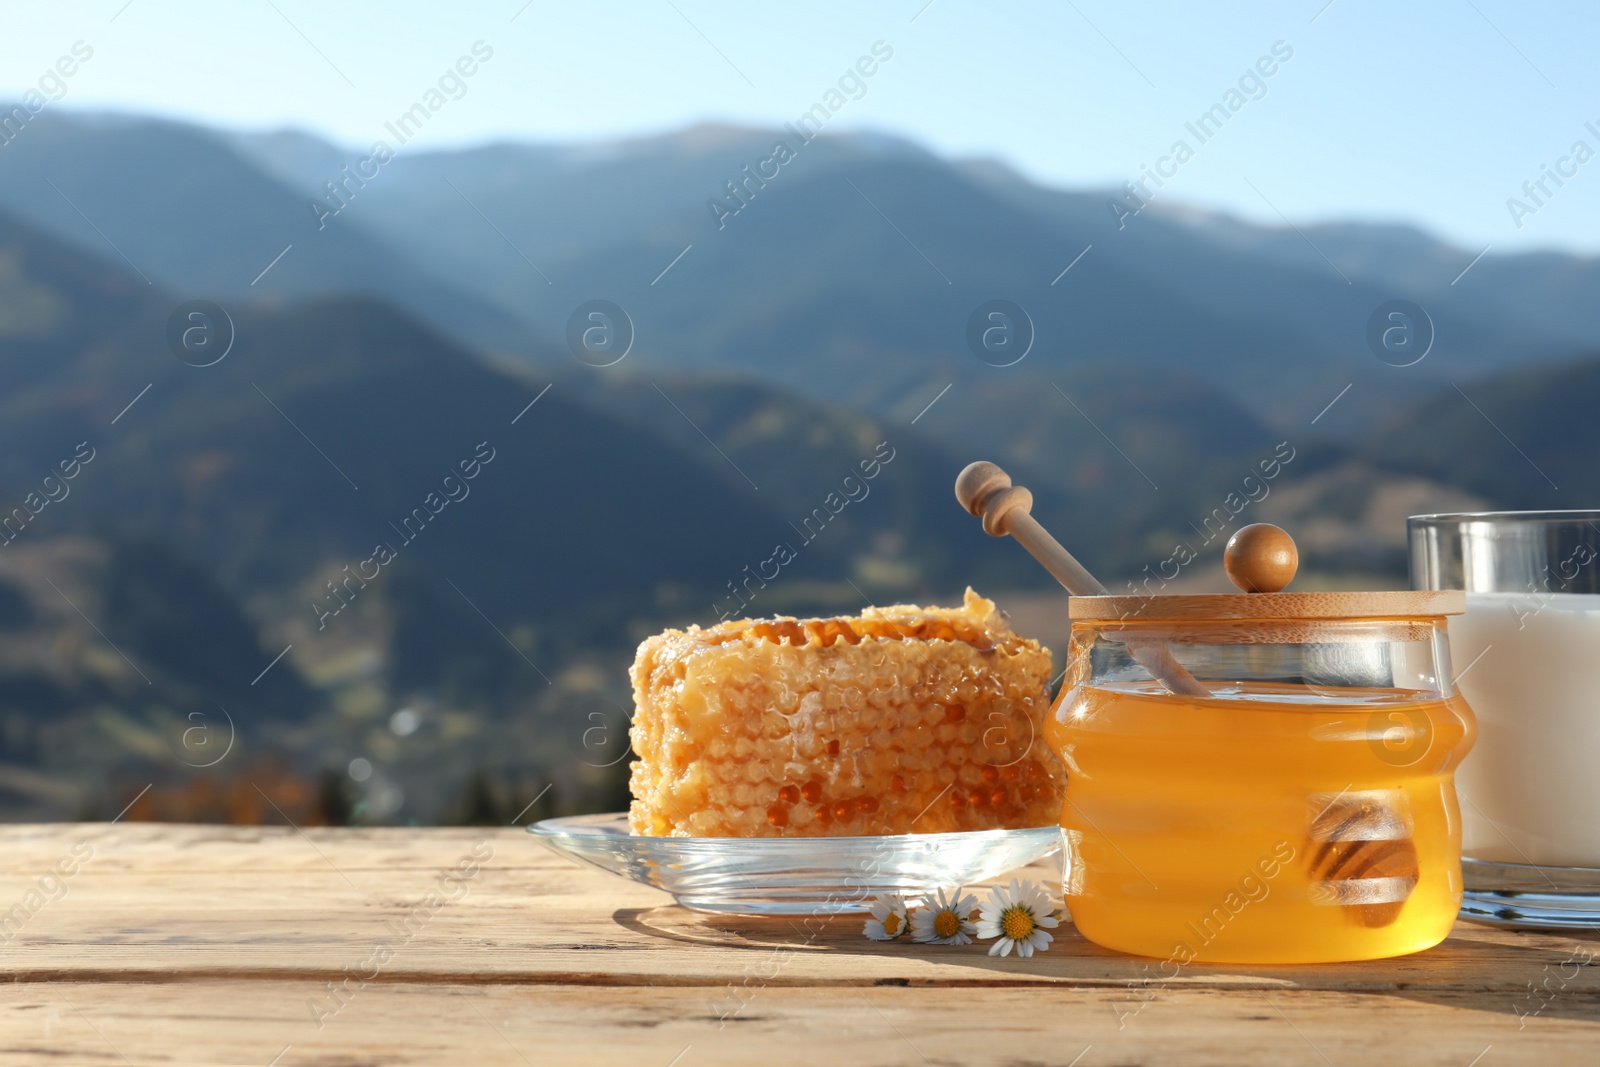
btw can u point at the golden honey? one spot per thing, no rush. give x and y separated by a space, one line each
1268 823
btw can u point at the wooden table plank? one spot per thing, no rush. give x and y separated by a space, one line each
208 944
252 1022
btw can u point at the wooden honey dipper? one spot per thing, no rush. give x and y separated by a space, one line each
986 491
1363 858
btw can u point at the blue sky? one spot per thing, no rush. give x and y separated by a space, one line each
1433 113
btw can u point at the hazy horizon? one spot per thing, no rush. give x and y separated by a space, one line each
1440 117
1173 206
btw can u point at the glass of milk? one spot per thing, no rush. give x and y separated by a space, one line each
1527 659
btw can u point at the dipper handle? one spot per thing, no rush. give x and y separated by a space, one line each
986 491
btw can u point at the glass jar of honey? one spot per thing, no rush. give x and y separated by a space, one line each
1262 777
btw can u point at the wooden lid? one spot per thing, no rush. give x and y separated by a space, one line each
1261 559
1401 604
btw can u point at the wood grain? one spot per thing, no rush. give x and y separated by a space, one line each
1389 604
175 944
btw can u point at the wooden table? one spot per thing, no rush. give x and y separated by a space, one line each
198 944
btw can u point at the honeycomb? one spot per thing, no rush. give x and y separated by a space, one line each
903 720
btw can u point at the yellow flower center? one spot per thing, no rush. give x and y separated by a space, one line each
891 925
1017 923
947 924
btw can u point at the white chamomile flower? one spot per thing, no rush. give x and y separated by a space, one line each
888 918
945 921
1018 916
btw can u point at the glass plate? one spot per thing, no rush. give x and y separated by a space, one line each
793 875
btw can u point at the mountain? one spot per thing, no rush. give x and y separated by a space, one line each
121 658
1523 440
848 274
180 208
329 421
1543 290
818 278
1327 279
868 244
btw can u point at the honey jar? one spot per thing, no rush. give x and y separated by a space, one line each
1262 777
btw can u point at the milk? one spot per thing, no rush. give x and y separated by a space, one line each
1529 666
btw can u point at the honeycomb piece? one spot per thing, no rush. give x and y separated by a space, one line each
903 720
